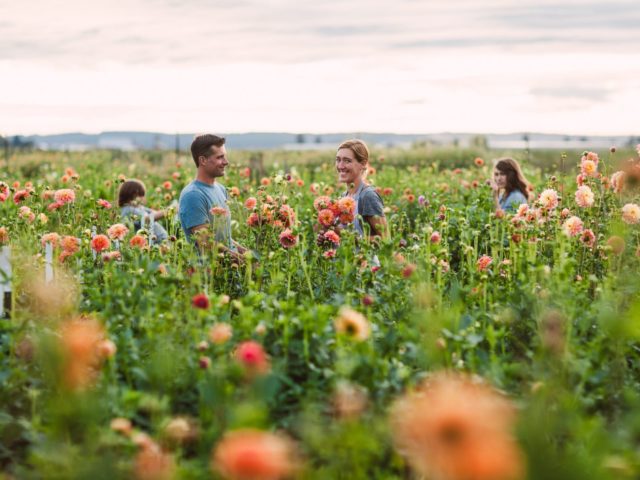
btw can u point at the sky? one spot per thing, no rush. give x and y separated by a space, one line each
400 66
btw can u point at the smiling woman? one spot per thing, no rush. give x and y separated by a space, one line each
352 165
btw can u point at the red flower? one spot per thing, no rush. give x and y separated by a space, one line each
200 301
252 356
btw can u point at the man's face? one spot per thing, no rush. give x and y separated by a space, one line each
215 162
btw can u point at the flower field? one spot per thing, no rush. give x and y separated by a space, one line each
467 344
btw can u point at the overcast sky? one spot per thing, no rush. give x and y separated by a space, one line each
405 66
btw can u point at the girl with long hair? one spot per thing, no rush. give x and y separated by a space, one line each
510 188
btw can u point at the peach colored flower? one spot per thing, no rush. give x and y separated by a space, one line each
80 341
138 241
180 430
353 324
121 425
322 202
333 237
250 203
111 256
265 181
617 181
349 400
4 235
288 239
591 156
588 237
455 428
523 208
478 161
435 237
25 212
326 217
572 226
249 454
70 244
287 215
589 168
584 197
100 242
631 213
65 195
218 211
153 463
347 205
53 238
220 333
548 199
117 231
483 263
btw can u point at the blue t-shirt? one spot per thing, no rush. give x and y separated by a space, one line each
196 201
137 213
512 201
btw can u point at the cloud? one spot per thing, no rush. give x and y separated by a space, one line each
574 92
297 31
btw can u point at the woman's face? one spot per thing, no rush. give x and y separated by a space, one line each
500 178
348 168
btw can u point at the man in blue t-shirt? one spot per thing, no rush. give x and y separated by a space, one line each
203 210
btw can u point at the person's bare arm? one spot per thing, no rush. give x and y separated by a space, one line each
205 241
377 227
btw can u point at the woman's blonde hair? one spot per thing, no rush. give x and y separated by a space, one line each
515 177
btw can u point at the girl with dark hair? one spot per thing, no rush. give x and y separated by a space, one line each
510 188
131 200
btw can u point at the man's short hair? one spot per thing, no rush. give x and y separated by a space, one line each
201 145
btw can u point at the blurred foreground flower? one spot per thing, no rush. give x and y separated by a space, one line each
82 341
153 463
254 455
457 429
352 324
631 213
349 400
201 301
252 357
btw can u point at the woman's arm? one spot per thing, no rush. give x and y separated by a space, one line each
377 227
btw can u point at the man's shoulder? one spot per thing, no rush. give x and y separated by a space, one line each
192 189
191 193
